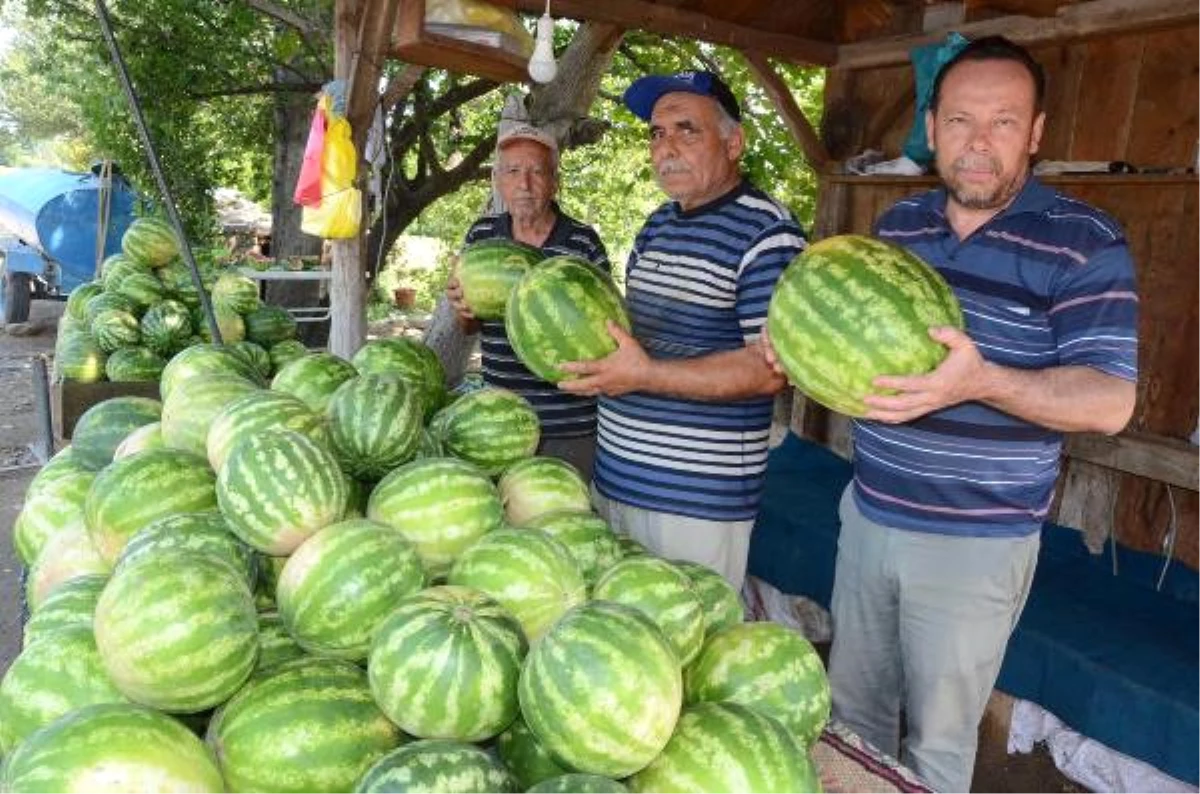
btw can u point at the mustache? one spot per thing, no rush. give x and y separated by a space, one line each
976 163
673 166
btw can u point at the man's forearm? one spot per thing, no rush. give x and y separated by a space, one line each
1070 399
728 375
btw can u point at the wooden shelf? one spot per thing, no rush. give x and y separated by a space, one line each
412 42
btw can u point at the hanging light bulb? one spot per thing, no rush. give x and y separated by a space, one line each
542 67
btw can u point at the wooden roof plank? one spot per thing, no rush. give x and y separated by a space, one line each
674 21
797 123
1076 21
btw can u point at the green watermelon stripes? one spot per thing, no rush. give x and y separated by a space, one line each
851 308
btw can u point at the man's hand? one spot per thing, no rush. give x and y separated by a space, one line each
624 370
467 322
961 377
768 351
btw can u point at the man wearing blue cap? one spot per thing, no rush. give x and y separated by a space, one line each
685 402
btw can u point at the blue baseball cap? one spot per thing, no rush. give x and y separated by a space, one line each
644 93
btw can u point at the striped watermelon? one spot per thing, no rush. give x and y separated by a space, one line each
304 725
119 269
143 289
338 585
313 378
150 241
533 486
285 352
254 412
729 747
374 425
66 556
579 783
112 747
722 604
77 357
232 326
488 271
410 361
77 301
443 506
525 756
71 605
49 679
615 719
196 533
664 594
255 354
177 630
205 361
166 327
53 501
275 644
105 301
492 428
768 667
145 437
114 328
586 535
133 491
437 766
105 425
191 408
851 308
235 293
269 569
530 573
559 312
278 488
134 365
444 665
269 325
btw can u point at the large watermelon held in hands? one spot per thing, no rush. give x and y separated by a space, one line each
559 312
489 270
851 308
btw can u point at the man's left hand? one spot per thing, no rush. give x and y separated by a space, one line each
620 372
959 378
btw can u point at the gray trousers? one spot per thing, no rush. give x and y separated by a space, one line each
579 451
920 622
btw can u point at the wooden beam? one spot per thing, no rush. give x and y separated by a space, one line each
671 21
1079 20
779 92
1156 457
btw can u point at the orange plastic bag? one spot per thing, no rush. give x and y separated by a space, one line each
339 213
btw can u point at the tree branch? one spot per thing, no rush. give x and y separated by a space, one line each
270 88
287 17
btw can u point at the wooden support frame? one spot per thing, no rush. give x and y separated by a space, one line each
1149 455
1079 20
670 20
810 142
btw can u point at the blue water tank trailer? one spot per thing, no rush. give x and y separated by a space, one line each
48 223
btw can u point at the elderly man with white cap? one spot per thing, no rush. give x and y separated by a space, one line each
526 175
685 407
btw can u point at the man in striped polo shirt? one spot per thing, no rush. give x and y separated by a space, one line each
526 173
686 406
954 475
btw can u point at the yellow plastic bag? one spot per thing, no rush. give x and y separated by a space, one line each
340 212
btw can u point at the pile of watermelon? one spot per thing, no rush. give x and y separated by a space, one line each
145 307
346 578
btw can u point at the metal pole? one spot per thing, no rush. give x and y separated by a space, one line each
44 446
152 155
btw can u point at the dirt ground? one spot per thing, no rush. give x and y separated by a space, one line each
995 770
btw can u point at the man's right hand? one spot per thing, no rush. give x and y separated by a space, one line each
466 318
768 351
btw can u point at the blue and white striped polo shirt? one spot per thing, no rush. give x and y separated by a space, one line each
698 282
561 414
1048 282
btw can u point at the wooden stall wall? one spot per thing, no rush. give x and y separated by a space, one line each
1131 99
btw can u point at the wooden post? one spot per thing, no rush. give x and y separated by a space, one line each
362 33
810 142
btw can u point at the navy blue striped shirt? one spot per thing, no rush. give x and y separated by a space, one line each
561 414
1048 282
697 283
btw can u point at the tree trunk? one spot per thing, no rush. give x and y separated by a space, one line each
293 112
